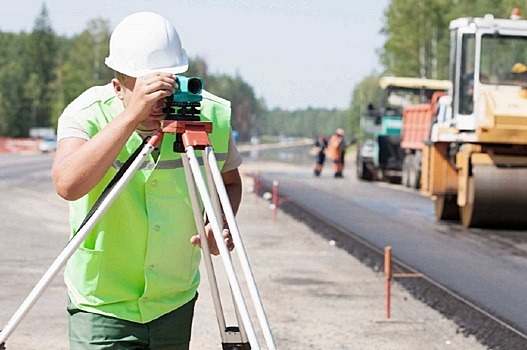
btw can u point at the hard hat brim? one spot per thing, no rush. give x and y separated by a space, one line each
139 73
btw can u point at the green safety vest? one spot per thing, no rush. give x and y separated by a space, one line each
137 263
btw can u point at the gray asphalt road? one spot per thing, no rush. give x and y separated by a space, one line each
488 267
33 231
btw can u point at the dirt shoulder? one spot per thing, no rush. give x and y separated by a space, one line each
318 296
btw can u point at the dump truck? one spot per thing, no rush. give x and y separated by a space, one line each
379 155
474 165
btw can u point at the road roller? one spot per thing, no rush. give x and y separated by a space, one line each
474 165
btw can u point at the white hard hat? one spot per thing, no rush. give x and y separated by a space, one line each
145 43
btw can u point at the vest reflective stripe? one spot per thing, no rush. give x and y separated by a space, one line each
168 164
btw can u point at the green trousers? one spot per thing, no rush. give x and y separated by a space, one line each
88 331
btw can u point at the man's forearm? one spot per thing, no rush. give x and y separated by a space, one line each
234 191
233 186
79 166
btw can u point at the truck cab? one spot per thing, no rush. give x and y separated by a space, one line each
380 154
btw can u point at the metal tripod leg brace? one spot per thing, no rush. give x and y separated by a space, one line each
194 135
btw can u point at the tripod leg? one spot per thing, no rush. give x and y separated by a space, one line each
76 241
231 220
200 225
224 252
219 213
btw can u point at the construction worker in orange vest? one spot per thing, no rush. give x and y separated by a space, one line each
336 150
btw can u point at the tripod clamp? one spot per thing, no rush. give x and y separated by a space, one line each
188 133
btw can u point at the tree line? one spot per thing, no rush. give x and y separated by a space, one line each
416 44
308 122
41 72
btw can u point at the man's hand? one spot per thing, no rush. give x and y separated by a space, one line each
214 250
147 91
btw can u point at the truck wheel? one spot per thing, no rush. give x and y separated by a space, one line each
411 170
446 208
359 169
414 179
363 172
405 179
497 196
393 179
415 176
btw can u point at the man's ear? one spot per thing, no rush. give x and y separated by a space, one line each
118 88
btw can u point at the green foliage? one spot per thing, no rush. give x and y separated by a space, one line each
305 123
41 73
14 109
244 104
40 56
197 68
83 63
417 35
417 38
245 107
366 92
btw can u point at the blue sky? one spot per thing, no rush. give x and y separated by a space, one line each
295 53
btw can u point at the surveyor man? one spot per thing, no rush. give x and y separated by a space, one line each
132 284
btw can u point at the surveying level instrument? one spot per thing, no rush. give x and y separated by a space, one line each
183 119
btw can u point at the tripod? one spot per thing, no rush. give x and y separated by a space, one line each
190 136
